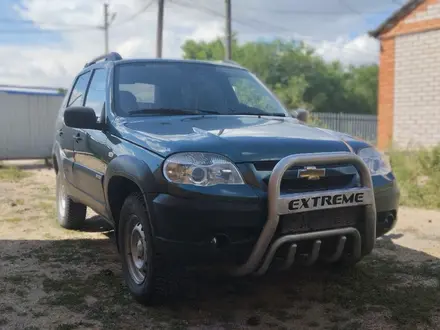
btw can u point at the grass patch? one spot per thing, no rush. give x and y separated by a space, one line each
6 308
72 251
12 219
72 290
46 206
12 173
45 189
71 326
16 279
418 175
19 201
371 284
313 324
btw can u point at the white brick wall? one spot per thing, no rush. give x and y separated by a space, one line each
417 90
431 12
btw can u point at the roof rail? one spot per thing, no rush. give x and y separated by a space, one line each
113 56
230 62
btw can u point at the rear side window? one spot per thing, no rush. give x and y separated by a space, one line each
79 90
95 98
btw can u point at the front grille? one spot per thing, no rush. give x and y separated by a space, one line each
320 220
337 177
305 185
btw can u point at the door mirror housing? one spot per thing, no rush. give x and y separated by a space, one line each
81 117
301 114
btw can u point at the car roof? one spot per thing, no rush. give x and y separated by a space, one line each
229 64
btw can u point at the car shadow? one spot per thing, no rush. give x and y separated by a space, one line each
84 276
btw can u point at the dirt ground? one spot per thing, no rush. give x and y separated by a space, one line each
51 278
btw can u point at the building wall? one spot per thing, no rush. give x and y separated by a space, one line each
385 109
417 90
408 86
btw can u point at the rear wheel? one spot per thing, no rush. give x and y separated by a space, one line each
70 215
144 271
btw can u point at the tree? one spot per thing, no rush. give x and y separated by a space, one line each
299 76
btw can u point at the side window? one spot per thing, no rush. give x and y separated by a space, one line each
79 90
95 98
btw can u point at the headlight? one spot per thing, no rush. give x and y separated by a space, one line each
201 169
375 162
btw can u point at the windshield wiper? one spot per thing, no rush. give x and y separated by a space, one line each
275 114
172 111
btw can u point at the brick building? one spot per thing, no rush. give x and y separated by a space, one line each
409 76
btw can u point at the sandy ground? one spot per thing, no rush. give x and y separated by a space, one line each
51 278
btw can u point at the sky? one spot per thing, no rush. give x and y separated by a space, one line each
47 42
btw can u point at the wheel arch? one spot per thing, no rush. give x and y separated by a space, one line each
125 175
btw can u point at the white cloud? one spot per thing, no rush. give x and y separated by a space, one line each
361 50
57 63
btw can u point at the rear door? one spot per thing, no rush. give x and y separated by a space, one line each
91 147
65 134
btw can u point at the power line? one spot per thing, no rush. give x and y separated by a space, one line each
260 24
41 31
135 15
350 8
30 22
305 12
212 12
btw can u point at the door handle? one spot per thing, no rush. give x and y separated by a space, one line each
60 132
77 137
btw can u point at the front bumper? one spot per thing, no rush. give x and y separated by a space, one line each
209 230
195 231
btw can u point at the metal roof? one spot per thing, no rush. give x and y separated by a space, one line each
406 9
30 90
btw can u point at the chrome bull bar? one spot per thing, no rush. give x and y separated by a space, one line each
264 249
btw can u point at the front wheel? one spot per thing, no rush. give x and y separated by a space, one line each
147 277
70 215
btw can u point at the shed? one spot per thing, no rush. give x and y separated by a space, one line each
27 121
409 76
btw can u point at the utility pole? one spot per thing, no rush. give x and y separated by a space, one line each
107 21
106 27
159 32
228 33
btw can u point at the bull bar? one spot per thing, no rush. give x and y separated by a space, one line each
265 248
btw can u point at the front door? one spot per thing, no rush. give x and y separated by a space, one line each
90 156
66 134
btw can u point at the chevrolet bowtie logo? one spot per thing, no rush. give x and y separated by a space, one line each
311 173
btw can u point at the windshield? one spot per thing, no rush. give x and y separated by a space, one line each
201 88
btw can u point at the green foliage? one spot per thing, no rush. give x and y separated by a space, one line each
418 175
299 77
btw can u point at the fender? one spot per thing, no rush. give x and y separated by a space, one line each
131 168
65 165
56 150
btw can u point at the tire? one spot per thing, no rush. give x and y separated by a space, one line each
146 274
70 215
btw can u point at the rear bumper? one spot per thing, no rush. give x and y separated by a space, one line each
196 231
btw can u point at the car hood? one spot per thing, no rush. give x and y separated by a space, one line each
241 138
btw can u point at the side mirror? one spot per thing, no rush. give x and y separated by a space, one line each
81 117
301 114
